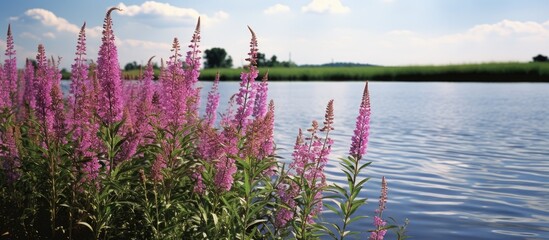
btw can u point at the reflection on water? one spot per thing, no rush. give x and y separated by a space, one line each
462 160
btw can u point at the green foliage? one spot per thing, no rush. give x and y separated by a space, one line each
496 72
217 58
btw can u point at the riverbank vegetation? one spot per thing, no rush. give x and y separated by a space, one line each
125 160
481 72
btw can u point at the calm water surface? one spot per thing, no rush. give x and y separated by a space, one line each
462 160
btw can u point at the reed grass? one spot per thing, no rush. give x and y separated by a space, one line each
482 72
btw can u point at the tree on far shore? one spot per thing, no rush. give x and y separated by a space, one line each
540 58
217 58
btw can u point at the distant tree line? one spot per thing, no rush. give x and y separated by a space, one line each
540 58
218 58
134 66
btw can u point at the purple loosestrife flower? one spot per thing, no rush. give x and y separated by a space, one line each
28 90
9 85
379 224
144 112
192 61
213 102
225 164
260 108
311 158
108 72
43 84
82 110
3 88
174 95
287 192
9 155
248 88
199 186
267 146
79 72
259 138
360 138
228 116
156 169
58 105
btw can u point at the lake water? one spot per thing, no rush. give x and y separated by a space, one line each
462 160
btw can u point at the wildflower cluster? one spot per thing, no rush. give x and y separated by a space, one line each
119 159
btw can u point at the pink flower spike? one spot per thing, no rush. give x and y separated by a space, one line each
260 108
359 141
43 85
108 72
213 102
248 88
379 224
9 81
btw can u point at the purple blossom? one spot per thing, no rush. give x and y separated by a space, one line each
58 104
28 91
267 146
82 110
156 169
287 193
10 156
9 83
145 109
174 92
192 60
248 88
260 107
260 138
379 224
43 84
225 165
79 73
108 72
199 186
311 157
213 102
360 138
226 168
3 89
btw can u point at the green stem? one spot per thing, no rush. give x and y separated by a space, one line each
349 202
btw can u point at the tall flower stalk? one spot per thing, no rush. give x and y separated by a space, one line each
248 88
348 201
110 99
108 72
379 223
8 97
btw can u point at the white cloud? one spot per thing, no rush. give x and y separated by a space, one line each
29 35
326 6
501 41
505 29
276 9
13 18
170 13
508 27
149 45
48 18
49 35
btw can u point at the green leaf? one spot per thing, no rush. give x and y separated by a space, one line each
86 225
354 219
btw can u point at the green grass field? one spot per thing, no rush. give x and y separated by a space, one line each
483 72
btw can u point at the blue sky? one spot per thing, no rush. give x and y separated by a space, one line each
385 32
